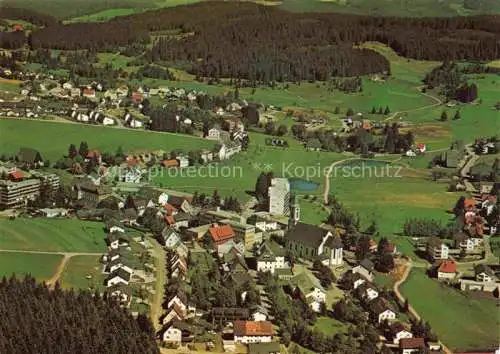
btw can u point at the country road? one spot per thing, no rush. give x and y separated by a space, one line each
438 102
401 299
156 310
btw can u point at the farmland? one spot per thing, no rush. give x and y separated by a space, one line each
51 235
37 133
446 309
41 266
76 272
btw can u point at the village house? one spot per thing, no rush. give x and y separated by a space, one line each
29 158
119 276
253 331
172 334
367 291
463 242
270 258
112 255
356 281
260 314
310 290
54 212
436 249
381 310
183 161
220 234
116 264
411 345
113 241
398 332
244 232
446 270
365 268
88 92
485 274
310 242
223 315
173 313
121 293
214 133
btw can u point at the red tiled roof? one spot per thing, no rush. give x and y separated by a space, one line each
88 91
17 27
132 162
170 163
469 203
170 219
411 343
448 266
170 208
221 233
137 97
253 328
420 145
391 247
94 153
17 174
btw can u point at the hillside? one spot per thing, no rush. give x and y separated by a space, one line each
92 10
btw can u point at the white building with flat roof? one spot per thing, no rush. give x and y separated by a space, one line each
279 197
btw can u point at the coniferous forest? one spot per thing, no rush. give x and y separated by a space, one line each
38 320
263 43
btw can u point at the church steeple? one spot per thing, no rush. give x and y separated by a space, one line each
294 217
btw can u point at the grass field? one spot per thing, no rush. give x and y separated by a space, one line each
51 235
40 266
76 272
460 322
36 134
329 326
103 15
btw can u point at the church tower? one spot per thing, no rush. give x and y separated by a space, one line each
294 217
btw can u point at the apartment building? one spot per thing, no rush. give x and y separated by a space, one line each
279 197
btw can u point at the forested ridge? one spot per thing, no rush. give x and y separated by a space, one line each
262 43
38 320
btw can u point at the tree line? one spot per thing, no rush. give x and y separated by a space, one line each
263 43
37 319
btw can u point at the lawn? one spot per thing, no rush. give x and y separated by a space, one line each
51 235
36 134
312 212
103 15
40 266
329 326
76 272
460 322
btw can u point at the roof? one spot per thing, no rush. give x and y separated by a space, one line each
177 201
397 327
308 235
119 287
264 348
380 305
448 266
469 203
120 272
483 268
434 241
28 155
169 208
253 328
411 343
17 174
460 236
221 233
170 163
367 264
306 282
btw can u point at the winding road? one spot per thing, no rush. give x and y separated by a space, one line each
438 102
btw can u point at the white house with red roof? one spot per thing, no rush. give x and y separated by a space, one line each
447 269
253 331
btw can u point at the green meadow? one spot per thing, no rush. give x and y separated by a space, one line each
83 272
51 235
40 266
36 134
460 322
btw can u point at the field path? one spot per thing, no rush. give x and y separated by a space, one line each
60 269
437 103
401 299
156 309
328 174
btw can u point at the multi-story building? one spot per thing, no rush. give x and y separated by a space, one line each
436 249
17 190
279 197
244 232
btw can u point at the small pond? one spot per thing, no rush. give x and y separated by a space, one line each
302 185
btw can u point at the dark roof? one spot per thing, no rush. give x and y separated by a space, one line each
460 236
264 348
397 327
367 264
120 272
379 305
177 201
308 235
483 268
434 241
130 213
114 252
119 287
29 155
